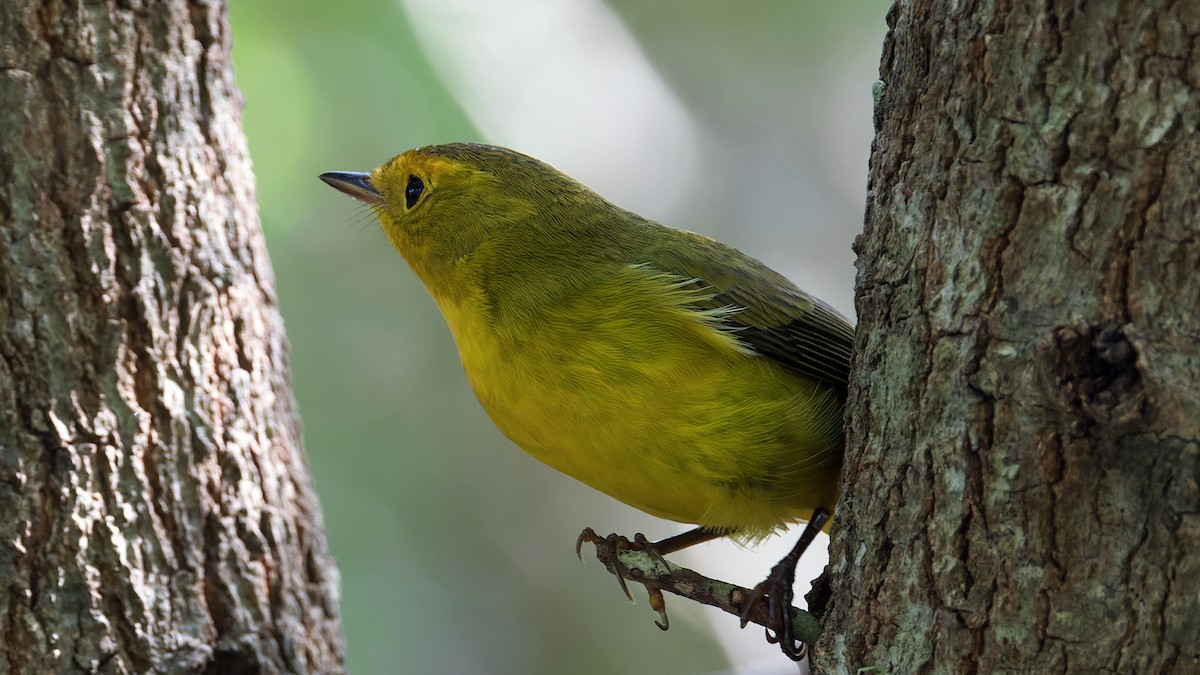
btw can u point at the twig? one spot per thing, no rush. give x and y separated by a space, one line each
656 573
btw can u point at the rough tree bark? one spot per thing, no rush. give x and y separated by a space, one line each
156 513
1021 487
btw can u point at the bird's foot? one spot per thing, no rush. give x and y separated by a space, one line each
607 552
775 593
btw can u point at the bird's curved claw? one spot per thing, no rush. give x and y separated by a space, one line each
607 550
659 604
588 535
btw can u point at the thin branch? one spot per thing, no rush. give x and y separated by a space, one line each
658 574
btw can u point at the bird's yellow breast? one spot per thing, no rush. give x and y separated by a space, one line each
625 387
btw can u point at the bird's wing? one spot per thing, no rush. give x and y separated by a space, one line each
767 313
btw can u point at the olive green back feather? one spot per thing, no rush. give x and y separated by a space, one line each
773 317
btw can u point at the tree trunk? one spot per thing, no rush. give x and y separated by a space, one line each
156 513
1021 488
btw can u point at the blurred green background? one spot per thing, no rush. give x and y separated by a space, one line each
749 122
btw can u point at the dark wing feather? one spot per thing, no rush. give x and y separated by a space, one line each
774 317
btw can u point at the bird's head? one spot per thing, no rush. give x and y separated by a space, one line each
439 203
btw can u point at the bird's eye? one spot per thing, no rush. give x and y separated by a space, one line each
413 192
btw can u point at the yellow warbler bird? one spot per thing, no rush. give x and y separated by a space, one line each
659 366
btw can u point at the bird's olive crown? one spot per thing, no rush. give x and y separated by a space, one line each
468 171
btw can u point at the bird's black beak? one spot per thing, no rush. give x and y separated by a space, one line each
355 184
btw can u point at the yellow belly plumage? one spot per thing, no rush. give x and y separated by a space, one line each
651 402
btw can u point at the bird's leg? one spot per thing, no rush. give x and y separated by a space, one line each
680 541
776 590
608 547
